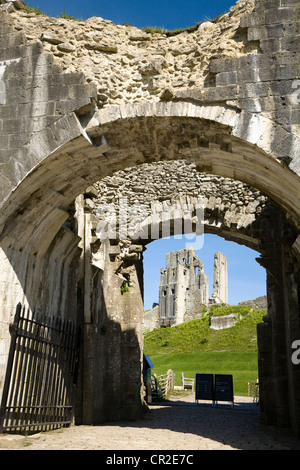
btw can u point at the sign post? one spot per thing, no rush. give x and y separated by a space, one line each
205 387
223 388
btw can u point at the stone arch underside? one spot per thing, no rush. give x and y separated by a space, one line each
171 197
97 151
37 218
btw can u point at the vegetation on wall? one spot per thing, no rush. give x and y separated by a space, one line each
147 29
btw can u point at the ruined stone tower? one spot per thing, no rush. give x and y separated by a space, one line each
220 293
183 287
183 290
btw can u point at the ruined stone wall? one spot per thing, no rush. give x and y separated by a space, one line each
182 290
220 293
228 205
220 323
37 283
129 65
32 97
81 100
215 86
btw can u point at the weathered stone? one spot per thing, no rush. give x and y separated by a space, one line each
140 36
52 38
181 290
235 114
220 323
220 293
102 47
66 47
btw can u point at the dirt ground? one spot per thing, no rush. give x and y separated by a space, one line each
181 424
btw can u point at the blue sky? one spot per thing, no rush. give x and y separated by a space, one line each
169 14
247 280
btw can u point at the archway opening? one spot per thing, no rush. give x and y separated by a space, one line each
32 242
247 279
217 337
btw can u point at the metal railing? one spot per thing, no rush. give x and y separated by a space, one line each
41 374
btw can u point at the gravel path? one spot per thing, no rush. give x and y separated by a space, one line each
179 425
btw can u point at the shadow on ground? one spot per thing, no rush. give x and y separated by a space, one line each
236 426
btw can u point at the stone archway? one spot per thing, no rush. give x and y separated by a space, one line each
258 229
229 207
229 124
34 243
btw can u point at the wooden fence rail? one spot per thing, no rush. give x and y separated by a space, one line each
162 384
253 391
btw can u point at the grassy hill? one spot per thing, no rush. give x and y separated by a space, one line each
193 347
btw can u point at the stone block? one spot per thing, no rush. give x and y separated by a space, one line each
253 105
295 117
52 38
287 73
265 32
226 78
69 79
279 15
140 36
220 93
102 47
291 29
289 3
254 90
14 171
270 45
261 7
257 32
15 141
42 108
13 126
255 19
223 65
12 40
290 44
66 47
13 52
9 112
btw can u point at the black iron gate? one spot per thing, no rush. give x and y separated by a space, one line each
41 374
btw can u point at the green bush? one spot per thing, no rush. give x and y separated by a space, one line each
218 311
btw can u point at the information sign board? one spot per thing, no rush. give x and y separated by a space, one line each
204 387
223 387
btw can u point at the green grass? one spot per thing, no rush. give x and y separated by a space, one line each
218 310
162 30
196 335
37 11
193 347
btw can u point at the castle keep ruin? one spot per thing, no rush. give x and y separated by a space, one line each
220 293
183 290
85 103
